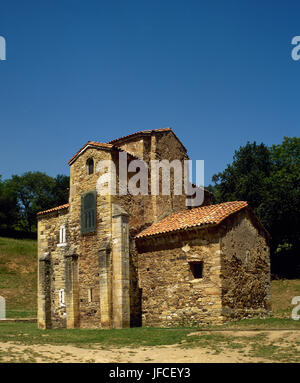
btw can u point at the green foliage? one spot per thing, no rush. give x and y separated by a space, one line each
33 192
245 178
60 192
269 179
281 206
9 211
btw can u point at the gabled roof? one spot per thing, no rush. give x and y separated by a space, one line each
145 133
209 215
140 133
113 144
61 207
97 145
91 144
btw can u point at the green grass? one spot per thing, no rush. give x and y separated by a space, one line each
20 314
28 333
256 346
18 276
282 292
261 324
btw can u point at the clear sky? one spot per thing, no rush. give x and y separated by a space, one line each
220 73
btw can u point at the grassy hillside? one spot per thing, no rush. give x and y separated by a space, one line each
18 281
18 276
282 292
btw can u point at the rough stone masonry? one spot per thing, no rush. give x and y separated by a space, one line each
115 261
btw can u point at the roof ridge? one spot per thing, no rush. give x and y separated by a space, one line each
198 216
98 144
146 131
95 143
61 207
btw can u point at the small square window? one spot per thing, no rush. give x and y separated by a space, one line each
197 269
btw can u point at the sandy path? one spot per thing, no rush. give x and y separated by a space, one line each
12 351
70 354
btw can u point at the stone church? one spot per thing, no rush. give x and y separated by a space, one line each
121 260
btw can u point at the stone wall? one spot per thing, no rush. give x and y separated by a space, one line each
171 295
166 147
158 146
138 207
144 210
134 146
99 270
236 274
51 269
103 256
245 267
87 246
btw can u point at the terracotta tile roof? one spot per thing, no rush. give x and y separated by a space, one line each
110 145
146 132
200 216
61 207
140 133
93 144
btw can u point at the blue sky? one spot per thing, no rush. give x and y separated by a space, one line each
220 73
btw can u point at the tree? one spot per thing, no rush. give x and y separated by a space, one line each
21 197
269 179
281 204
245 178
9 211
61 190
34 191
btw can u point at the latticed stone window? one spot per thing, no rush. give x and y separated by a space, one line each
88 212
197 269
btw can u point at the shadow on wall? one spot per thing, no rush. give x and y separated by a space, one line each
136 313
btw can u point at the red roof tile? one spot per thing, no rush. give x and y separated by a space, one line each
61 207
140 132
93 144
110 144
200 216
143 132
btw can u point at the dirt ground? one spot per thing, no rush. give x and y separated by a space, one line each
14 352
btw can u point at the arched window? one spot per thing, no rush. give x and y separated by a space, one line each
90 166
